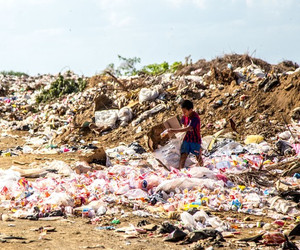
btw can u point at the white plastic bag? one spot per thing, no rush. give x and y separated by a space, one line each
61 167
125 116
188 220
169 154
135 194
200 172
59 199
106 118
188 183
149 94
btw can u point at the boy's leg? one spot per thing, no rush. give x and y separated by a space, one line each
197 151
182 160
199 158
184 152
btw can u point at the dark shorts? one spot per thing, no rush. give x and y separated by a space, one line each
190 147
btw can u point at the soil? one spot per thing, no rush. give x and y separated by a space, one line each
79 233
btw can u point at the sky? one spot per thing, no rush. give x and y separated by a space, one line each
49 36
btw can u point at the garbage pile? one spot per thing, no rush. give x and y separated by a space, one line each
237 177
257 97
250 140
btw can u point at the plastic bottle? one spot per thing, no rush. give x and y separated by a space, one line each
296 175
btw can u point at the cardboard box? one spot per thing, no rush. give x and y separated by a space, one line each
153 138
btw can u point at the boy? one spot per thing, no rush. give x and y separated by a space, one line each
192 140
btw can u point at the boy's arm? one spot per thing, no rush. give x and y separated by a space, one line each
179 130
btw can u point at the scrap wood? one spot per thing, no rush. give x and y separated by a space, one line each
282 165
20 163
117 80
160 162
261 178
293 168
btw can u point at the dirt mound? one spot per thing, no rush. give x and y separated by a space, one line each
285 66
257 103
236 60
221 63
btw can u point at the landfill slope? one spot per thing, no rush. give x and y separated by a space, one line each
266 111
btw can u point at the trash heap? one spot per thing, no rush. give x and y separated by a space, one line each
251 147
257 96
237 177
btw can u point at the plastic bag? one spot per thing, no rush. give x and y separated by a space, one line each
281 206
27 150
125 116
135 194
188 183
169 154
253 139
188 220
59 199
61 167
30 173
200 172
285 135
106 118
149 94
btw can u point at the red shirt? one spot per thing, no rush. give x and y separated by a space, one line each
194 121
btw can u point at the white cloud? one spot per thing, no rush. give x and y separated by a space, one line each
13 3
118 20
202 4
49 32
116 12
271 3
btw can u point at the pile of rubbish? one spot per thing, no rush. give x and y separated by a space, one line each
237 177
250 118
258 98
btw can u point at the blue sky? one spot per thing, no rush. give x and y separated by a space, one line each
46 36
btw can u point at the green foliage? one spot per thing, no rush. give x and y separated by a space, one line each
175 66
12 73
127 66
158 69
61 86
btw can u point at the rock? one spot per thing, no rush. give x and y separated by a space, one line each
247 218
290 86
250 119
6 217
175 236
296 115
220 86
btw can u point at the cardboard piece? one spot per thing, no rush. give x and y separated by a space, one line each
98 155
153 138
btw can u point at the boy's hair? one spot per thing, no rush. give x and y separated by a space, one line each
187 105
